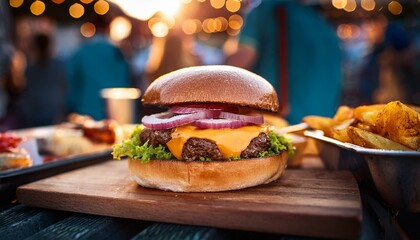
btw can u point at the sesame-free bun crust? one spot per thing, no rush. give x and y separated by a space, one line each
212 84
182 176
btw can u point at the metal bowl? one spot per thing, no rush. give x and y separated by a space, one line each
394 175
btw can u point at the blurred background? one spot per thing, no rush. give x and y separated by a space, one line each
56 55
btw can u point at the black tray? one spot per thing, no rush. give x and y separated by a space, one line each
11 179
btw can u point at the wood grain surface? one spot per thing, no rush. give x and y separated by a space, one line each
314 203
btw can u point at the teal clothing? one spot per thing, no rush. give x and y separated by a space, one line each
313 56
96 65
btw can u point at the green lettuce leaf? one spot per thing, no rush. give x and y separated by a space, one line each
134 149
278 143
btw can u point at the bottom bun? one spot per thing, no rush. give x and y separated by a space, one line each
181 176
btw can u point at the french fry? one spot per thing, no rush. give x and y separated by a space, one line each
367 114
371 140
320 123
343 113
399 123
339 132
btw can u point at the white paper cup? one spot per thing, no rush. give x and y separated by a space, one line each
121 103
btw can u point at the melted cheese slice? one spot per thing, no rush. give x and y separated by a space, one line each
231 142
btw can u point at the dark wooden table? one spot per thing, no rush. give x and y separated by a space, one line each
18 221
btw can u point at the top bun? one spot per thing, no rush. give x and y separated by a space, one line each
212 84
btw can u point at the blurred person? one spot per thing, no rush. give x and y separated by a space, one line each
97 64
42 101
298 52
387 74
5 62
168 54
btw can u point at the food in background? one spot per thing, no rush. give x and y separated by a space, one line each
392 126
82 135
11 155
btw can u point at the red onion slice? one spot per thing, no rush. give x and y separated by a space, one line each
218 123
167 120
210 113
256 119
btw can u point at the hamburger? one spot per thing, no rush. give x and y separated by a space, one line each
208 139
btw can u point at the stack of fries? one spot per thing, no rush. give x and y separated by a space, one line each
392 126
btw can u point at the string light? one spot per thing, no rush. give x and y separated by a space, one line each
88 30
339 4
395 7
37 8
101 7
76 10
217 3
233 5
58 1
15 3
350 6
86 1
368 5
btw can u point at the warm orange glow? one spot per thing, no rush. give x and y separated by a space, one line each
169 20
339 4
76 10
189 27
350 6
224 23
58 1
233 5
232 32
395 8
101 7
235 22
37 8
217 3
348 31
160 29
86 1
206 26
120 28
368 5
88 30
15 3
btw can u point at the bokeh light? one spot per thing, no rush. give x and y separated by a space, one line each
339 4
15 3
76 10
368 5
37 8
160 29
189 27
88 30
395 7
348 31
217 3
235 22
350 6
233 5
86 1
120 28
101 7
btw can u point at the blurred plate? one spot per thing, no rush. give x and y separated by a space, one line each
395 175
44 165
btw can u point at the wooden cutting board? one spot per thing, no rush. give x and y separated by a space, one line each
314 203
